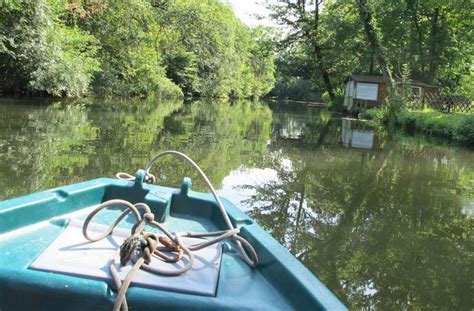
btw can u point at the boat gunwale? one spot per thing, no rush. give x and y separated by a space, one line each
299 280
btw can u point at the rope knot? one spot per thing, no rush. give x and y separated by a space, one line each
130 245
150 178
149 217
236 231
149 248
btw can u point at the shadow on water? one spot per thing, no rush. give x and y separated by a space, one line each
385 223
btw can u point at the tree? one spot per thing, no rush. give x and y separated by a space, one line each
366 15
304 28
131 63
38 53
131 48
379 37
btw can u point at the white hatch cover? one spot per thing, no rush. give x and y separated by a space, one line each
70 253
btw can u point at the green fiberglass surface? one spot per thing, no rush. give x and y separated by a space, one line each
29 224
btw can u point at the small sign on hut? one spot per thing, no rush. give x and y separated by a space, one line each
367 91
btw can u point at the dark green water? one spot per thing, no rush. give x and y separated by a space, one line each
385 222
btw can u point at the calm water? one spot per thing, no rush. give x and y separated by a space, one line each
385 222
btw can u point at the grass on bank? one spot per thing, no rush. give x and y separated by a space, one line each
455 127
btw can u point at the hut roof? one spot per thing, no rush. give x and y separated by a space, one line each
380 80
367 78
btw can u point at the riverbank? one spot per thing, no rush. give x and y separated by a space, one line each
455 127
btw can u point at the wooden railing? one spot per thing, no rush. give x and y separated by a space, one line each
443 103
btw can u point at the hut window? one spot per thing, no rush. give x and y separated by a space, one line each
367 91
416 91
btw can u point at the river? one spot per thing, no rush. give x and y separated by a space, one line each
384 220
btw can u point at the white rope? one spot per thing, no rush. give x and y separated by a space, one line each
150 246
124 176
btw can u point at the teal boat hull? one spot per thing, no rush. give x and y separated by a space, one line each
29 224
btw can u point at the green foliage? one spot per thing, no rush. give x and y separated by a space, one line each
132 48
294 88
294 77
182 69
375 114
209 52
464 131
336 104
131 61
261 64
458 128
40 54
433 37
397 99
66 65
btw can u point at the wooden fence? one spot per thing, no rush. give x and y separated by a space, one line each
443 103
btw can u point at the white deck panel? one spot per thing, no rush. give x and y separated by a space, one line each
70 253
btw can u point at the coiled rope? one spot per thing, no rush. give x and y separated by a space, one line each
142 246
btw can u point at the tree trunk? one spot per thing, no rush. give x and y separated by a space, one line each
434 37
319 55
371 66
324 73
366 16
414 14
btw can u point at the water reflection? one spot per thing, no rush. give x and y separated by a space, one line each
384 230
48 145
358 134
41 145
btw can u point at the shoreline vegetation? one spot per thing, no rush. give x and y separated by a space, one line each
182 49
397 111
457 128
131 48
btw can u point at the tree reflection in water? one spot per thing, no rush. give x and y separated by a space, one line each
383 229
43 147
46 145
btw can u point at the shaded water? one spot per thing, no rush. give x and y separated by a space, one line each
385 222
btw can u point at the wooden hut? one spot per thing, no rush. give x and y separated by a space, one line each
370 91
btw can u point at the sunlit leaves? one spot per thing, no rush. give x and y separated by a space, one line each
131 48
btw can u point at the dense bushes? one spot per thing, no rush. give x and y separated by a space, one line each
455 127
131 48
458 128
464 132
294 88
40 53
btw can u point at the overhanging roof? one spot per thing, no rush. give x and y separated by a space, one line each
380 80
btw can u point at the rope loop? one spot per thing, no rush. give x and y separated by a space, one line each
129 207
149 178
173 249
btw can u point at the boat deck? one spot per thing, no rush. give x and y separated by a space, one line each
29 224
